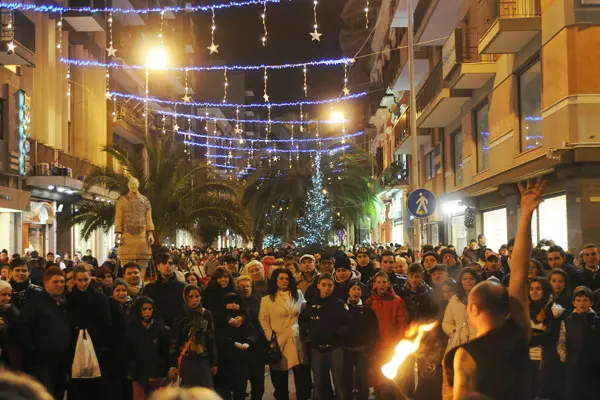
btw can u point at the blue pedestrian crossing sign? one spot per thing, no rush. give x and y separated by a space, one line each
421 203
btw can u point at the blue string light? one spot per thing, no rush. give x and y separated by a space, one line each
249 121
224 166
232 139
223 156
234 105
51 8
93 63
269 149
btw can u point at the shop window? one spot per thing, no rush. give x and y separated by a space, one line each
550 221
429 167
530 106
494 228
483 137
457 158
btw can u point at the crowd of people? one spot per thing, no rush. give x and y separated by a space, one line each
215 318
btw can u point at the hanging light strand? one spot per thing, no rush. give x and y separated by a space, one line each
225 84
367 15
208 145
315 34
264 23
346 90
266 96
304 71
59 33
213 48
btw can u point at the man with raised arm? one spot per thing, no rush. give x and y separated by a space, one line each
496 363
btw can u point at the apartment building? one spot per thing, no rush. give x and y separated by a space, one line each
505 90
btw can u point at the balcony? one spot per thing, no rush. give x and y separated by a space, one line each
403 138
86 21
512 25
23 36
129 123
435 20
396 174
462 65
401 79
437 104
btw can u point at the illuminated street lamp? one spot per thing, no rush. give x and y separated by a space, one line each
337 117
157 58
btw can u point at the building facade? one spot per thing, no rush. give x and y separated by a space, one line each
504 91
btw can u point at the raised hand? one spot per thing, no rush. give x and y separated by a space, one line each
531 195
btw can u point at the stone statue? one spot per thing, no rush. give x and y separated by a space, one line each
134 229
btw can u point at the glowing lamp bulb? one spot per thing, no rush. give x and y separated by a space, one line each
157 59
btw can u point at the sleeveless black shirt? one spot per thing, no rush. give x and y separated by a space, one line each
502 360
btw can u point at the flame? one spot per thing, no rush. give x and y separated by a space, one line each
405 348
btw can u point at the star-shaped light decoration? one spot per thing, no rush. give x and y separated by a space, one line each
108 95
112 52
186 98
213 48
316 36
238 131
176 128
346 91
266 97
11 46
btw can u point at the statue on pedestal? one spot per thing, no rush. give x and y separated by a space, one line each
134 229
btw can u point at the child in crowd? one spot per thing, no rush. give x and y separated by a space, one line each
579 347
417 295
148 344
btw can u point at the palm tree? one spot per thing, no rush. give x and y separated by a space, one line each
185 194
275 194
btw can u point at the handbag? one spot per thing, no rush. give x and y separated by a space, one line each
85 363
273 351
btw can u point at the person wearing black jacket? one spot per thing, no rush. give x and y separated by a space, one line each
362 337
386 261
557 258
256 372
147 344
20 282
219 285
120 304
10 351
450 261
324 322
88 310
166 291
364 265
44 333
37 267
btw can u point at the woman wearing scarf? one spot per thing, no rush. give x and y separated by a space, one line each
195 352
545 315
119 303
278 317
219 285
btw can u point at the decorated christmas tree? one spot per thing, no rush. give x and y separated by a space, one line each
315 225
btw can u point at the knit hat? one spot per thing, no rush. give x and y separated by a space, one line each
451 252
307 256
342 262
356 282
103 271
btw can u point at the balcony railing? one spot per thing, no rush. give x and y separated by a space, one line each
510 9
431 88
469 51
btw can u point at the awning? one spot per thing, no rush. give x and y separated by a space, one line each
67 185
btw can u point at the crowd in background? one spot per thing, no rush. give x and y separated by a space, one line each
214 318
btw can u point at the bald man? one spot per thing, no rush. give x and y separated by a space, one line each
496 362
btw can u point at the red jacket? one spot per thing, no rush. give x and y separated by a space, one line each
392 316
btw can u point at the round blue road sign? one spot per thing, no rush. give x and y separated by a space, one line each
421 203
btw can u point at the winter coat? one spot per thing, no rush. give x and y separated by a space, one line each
366 273
11 354
419 303
147 350
279 315
470 255
574 275
212 298
364 330
43 329
228 335
119 314
591 279
392 316
89 310
168 298
456 323
252 307
302 283
204 343
325 322
22 292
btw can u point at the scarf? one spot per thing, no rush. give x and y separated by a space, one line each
134 290
19 287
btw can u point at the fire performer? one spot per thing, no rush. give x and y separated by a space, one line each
501 320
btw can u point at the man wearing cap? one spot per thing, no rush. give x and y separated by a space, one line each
492 267
308 273
450 261
365 267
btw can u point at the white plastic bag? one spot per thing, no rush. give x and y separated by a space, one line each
85 362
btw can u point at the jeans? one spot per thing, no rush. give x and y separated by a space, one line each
356 373
301 380
322 364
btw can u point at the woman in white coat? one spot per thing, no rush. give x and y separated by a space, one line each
456 320
278 316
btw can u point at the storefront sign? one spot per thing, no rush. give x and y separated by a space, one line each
449 53
24 119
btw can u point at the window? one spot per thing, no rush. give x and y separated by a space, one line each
550 221
482 131
530 106
494 228
429 168
457 159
